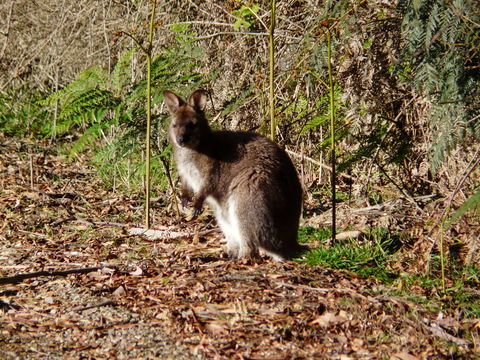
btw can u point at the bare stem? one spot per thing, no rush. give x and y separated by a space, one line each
332 133
271 43
149 115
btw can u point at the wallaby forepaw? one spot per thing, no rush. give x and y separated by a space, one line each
196 213
184 202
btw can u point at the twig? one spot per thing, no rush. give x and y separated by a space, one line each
442 334
148 136
236 278
34 233
469 169
134 40
197 322
272 14
437 331
402 190
201 23
230 33
271 69
332 134
170 183
20 277
315 162
31 171
101 223
103 303
382 208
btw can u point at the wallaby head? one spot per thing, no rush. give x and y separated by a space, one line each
188 125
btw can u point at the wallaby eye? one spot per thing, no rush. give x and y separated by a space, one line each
174 125
191 126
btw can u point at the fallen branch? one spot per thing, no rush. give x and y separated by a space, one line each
442 334
20 277
100 223
167 233
439 332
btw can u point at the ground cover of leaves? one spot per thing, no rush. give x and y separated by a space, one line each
177 297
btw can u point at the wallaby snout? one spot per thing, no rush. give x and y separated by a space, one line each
182 140
249 181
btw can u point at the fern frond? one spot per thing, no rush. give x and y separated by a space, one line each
236 102
442 38
92 78
121 72
472 203
88 137
432 24
87 101
432 78
315 122
476 126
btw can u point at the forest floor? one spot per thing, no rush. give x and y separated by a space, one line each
107 294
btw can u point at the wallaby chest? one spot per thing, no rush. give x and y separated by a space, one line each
188 169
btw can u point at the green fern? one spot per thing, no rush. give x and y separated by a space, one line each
89 137
87 101
120 78
321 116
93 78
471 204
108 110
237 101
21 114
442 47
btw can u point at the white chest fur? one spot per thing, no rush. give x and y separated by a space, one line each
187 169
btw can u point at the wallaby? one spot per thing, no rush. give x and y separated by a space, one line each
248 180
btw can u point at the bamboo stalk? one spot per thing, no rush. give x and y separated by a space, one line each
332 133
271 48
149 115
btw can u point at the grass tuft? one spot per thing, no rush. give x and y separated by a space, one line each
368 257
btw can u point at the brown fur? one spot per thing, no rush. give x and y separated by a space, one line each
249 181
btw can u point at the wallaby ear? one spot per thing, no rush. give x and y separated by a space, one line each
198 100
172 101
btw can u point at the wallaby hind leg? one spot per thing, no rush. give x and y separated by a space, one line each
236 230
229 223
281 242
233 247
253 222
268 225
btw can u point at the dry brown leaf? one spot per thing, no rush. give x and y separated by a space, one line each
137 272
97 275
327 319
183 293
355 234
404 356
217 327
120 291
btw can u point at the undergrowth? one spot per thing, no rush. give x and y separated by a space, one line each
21 115
441 55
107 111
366 257
372 256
